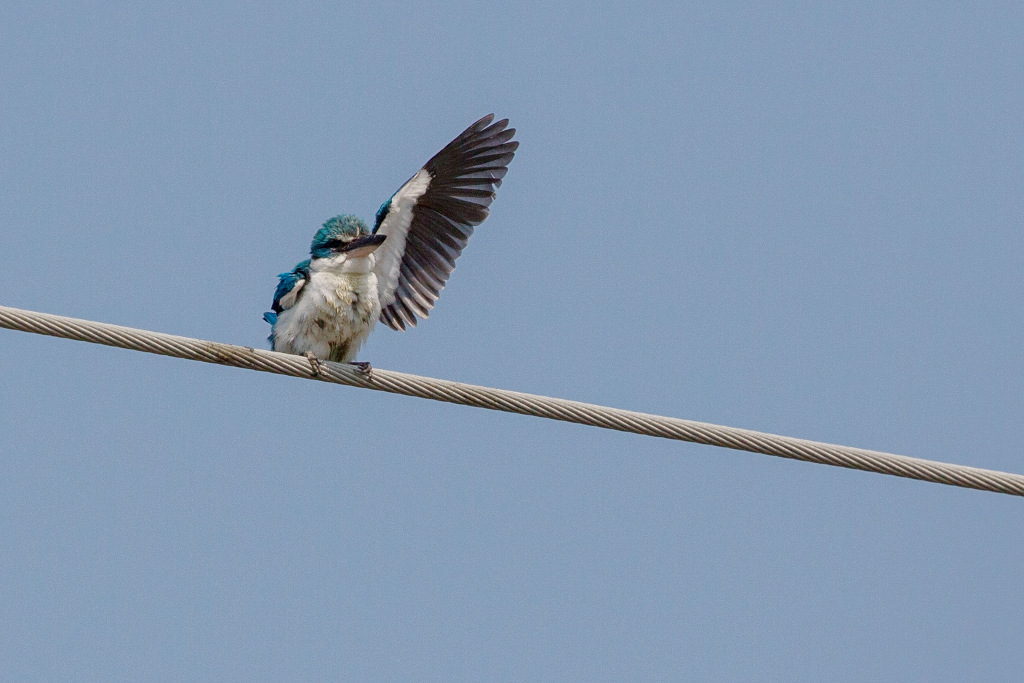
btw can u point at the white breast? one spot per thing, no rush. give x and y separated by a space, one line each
333 317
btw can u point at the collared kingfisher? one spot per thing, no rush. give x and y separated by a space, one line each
326 306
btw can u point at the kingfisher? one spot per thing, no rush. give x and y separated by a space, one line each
326 306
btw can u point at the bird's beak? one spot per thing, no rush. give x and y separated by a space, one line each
362 246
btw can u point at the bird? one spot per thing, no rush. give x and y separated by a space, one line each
327 305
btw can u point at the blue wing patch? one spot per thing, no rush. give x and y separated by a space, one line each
288 289
382 213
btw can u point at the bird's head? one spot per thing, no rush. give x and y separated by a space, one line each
344 235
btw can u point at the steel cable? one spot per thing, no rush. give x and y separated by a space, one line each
512 401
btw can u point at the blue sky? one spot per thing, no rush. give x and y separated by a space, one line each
795 218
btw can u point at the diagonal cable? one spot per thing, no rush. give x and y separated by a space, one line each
513 401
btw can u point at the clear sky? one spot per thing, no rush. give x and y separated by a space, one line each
793 217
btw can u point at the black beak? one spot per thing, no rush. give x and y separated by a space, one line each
371 241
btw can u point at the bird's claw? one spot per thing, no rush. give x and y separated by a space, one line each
363 367
314 363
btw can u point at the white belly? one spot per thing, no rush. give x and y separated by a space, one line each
332 318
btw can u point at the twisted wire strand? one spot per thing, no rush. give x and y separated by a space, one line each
512 401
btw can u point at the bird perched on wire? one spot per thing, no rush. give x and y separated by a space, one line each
326 306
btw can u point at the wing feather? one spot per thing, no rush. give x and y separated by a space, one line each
289 286
430 219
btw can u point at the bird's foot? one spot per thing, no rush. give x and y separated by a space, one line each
363 367
314 363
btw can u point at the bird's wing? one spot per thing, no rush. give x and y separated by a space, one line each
289 286
429 220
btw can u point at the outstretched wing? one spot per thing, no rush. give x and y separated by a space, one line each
429 220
